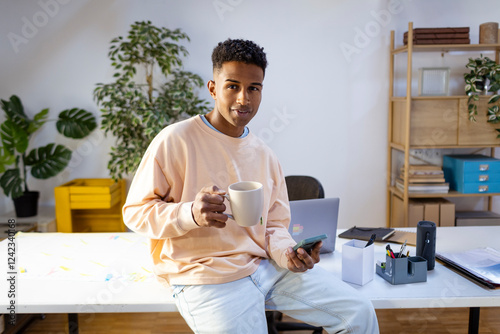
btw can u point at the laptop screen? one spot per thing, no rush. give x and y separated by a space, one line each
312 217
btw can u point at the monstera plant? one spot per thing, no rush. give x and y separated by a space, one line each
151 91
42 162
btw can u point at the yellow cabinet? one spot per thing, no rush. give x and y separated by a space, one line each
90 205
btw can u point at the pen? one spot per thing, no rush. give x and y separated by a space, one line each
390 252
372 239
402 249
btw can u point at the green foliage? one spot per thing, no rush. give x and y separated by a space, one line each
135 112
483 70
43 162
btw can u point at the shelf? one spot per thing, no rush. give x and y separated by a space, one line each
442 97
448 48
97 215
432 122
401 148
451 193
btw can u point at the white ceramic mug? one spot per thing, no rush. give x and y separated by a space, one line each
246 199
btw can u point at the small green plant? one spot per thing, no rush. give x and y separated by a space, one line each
151 91
43 162
484 77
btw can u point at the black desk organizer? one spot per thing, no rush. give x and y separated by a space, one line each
402 270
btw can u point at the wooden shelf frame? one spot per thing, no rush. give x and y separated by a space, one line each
446 47
405 148
451 193
401 148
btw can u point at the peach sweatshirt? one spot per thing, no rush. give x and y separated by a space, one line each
182 159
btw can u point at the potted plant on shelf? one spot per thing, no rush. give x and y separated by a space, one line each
43 162
484 77
137 105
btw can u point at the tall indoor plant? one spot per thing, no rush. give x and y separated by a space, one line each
484 77
43 162
150 92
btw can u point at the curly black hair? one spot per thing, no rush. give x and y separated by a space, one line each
238 50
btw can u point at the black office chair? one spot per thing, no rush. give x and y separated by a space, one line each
299 187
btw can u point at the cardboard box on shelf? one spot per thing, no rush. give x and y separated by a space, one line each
437 210
446 212
415 212
431 211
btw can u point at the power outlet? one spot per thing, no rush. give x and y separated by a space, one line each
437 154
418 153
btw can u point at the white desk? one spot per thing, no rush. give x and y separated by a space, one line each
89 259
444 287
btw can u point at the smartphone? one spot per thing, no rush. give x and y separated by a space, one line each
308 244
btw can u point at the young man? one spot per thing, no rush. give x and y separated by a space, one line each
224 276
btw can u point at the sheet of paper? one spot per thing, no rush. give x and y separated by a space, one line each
84 257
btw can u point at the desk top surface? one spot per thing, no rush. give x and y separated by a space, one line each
111 272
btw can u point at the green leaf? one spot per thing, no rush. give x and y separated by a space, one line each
493 115
6 159
15 112
76 123
39 120
494 87
494 99
11 183
14 108
14 138
48 161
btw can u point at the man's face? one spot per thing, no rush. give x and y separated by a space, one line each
237 91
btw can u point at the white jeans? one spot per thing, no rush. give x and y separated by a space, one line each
315 297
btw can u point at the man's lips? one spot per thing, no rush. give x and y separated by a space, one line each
242 110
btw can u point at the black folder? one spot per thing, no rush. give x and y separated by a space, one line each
364 233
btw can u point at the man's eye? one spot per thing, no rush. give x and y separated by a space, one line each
231 87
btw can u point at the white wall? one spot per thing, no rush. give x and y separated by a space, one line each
324 110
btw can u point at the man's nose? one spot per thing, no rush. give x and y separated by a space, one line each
243 97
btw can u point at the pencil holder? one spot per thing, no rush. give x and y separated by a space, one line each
403 270
358 262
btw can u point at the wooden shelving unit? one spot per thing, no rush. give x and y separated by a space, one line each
413 120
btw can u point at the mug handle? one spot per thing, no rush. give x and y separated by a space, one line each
228 214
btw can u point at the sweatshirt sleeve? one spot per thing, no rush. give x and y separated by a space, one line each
149 210
278 221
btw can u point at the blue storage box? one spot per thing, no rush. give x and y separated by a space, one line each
472 173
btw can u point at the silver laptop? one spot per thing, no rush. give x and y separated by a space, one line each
312 217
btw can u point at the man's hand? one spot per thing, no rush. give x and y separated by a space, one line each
302 261
208 206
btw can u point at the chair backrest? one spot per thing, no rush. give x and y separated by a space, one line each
302 187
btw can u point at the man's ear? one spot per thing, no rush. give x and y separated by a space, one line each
211 88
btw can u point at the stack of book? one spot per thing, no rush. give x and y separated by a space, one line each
423 179
423 36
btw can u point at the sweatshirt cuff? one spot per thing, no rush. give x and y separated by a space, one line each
185 217
283 260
